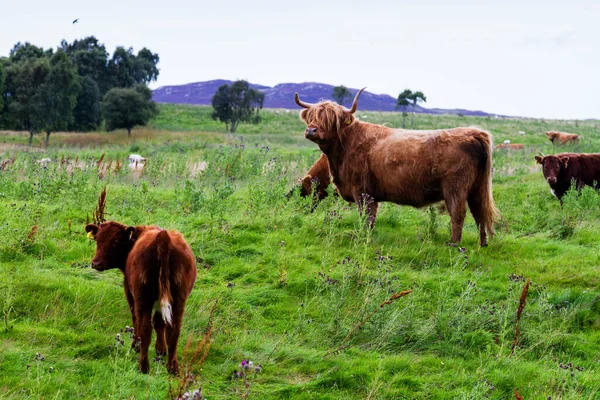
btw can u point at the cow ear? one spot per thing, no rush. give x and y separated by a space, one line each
91 230
565 161
132 232
538 159
349 119
303 114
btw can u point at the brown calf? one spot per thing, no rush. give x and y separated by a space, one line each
563 169
373 163
510 146
159 270
562 137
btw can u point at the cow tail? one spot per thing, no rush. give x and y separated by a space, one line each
164 286
490 213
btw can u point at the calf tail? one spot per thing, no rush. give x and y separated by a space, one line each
164 286
490 213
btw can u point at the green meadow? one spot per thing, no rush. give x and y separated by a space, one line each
301 290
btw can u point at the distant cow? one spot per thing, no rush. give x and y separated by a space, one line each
514 146
561 169
372 163
159 270
562 137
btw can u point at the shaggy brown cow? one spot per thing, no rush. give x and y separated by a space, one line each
159 270
509 146
562 138
561 169
373 163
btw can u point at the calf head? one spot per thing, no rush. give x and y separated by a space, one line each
551 136
113 243
552 166
326 120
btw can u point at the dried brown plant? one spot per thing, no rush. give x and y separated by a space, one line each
522 303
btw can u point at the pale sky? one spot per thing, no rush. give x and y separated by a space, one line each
523 58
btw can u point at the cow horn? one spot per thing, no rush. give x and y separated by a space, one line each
542 154
300 102
355 102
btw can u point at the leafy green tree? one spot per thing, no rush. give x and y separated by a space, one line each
416 98
26 51
2 79
86 114
23 81
56 98
91 59
341 94
237 103
120 68
125 108
402 103
144 67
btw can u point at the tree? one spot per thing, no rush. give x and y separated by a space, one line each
2 79
341 94
56 98
86 114
416 97
23 81
402 103
237 103
125 108
91 59
144 67
22 52
120 68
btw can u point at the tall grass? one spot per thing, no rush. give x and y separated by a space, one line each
294 281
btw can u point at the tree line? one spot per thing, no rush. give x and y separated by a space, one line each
75 88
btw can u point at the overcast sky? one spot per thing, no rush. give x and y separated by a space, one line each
527 58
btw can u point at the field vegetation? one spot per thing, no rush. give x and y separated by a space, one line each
290 287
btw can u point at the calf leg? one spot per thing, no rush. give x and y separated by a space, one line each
131 303
143 332
159 327
173 332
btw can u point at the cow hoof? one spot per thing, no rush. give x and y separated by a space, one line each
173 368
161 352
144 367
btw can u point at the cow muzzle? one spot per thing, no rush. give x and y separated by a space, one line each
551 180
310 133
97 265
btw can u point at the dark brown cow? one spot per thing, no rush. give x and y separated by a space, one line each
159 270
557 137
562 169
374 163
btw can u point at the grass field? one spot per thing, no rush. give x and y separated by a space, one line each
287 286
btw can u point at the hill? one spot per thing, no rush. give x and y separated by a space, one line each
282 96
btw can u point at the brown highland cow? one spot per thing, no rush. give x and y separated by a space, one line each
372 163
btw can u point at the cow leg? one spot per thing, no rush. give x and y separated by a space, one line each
457 209
159 327
478 213
173 332
366 203
143 331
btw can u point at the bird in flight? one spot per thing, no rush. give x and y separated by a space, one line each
76 20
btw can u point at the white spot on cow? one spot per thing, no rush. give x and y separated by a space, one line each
553 193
